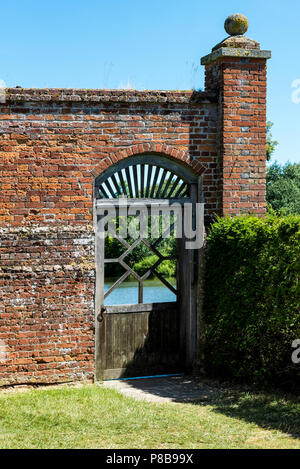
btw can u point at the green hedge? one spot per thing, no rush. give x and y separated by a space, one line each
252 299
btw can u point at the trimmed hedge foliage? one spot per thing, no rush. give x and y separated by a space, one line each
252 299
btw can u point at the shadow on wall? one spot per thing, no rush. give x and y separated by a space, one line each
202 146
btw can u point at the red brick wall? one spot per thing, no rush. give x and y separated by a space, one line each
52 144
52 140
47 280
241 87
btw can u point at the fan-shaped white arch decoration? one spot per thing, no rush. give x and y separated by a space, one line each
151 177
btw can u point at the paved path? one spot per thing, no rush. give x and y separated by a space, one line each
167 389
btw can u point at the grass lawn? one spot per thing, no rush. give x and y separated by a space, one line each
94 417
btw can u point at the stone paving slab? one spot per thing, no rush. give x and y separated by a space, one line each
165 389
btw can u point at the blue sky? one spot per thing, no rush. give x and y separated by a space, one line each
149 44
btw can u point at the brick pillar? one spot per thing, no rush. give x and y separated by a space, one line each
236 70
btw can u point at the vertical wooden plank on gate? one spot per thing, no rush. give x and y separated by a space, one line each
100 322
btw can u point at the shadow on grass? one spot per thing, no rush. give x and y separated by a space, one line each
270 411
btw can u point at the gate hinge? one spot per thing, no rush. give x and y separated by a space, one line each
101 312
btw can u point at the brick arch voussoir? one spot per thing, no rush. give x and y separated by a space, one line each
154 148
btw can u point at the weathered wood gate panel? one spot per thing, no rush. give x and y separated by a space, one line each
141 342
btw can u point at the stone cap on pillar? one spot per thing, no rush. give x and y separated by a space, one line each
236 45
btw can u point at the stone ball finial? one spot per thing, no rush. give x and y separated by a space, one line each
236 25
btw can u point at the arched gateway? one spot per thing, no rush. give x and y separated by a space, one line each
151 148
143 328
